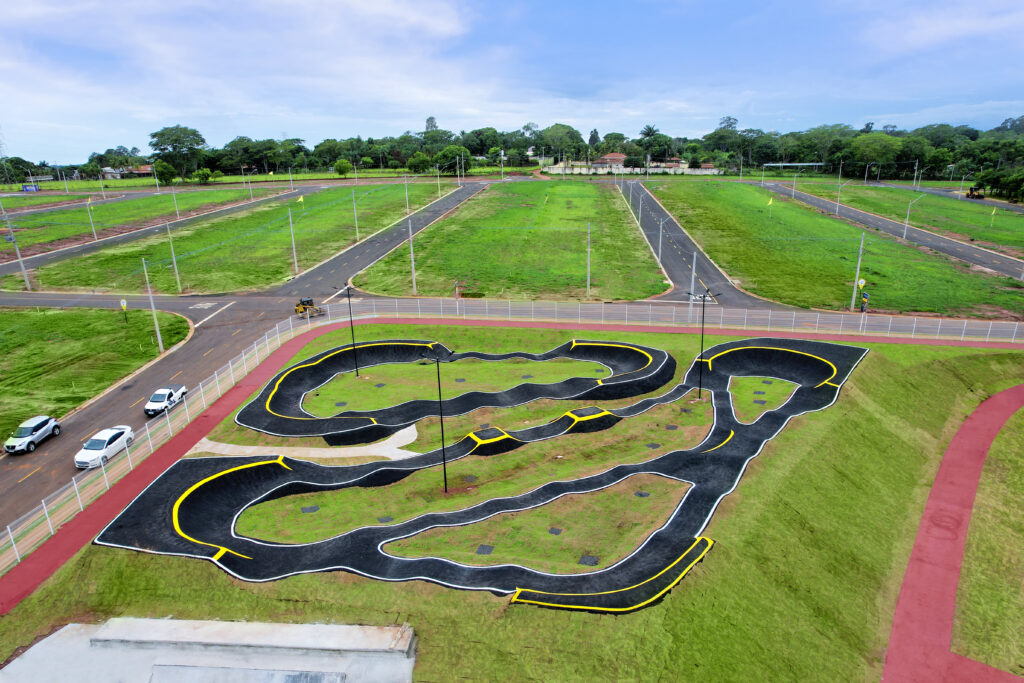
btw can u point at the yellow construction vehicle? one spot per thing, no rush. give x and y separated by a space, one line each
305 308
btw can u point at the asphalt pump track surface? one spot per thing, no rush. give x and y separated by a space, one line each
192 508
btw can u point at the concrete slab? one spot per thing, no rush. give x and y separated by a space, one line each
390 448
167 650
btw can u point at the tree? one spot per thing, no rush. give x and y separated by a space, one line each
449 156
868 127
343 167
418 162
595 138
727 122
431 123
613 142
93 170
648 132
823 137
876 147
366 161
202 176
563 138
178 146
164 172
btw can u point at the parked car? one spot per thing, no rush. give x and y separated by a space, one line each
30 432
103 446
165 398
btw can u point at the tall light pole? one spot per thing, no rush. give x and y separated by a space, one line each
700 360
291 184
412 259
906 220
762 174
352 328
440 412
291 229
866 168
174 261
406 194
588 258
793 194
856 278
354 214
438 167
960 193
17 251
175 198
152 307
839 190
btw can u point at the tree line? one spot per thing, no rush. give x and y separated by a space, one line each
992 158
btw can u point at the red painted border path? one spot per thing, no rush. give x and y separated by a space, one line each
922 627
19 582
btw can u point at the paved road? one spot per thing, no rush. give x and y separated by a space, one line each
1004 265
951 193
26 479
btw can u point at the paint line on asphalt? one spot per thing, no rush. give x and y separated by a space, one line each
230 303
262 313
137 402
333 295
29 474
176 374
236 331
209 352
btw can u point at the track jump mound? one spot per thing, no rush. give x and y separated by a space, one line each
191 509
278 409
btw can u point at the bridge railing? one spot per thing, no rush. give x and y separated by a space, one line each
30 530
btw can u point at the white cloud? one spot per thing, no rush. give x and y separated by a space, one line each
942 25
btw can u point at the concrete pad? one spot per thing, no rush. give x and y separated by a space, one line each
390 448
143 650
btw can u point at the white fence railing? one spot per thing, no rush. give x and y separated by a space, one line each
31 529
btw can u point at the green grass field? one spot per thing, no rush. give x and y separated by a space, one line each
816 536
584 529
34 200
804 258
409 381
990 600
242 251
52 360
527 240
746 390
60 224
957 218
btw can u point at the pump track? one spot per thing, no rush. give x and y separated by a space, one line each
192 508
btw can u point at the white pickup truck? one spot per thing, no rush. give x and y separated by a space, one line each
165 398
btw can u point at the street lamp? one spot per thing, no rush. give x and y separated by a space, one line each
352 328
907 219
960 194
793 195
703 304
440 411
866 168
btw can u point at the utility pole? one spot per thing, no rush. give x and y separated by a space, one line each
291 229
762 174
354 214
502 159
693 279
102 191
412 259
173 259
64 177
860 254
175 198
406 195
352 328
152 167
88 210
152 307
588 258
440 412
17 251
438 167
907 219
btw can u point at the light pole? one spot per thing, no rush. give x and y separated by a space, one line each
440 412
291 184
762 174
866 168
355 215
906 220
406 194
175 198
352 328
960 194
17 251
921 176
839 190
412 259
793 195
856 278
588 258
438 167
173 259
291 229
700 360
152 307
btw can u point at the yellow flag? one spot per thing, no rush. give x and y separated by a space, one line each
770 200
993 211
299 200
271 173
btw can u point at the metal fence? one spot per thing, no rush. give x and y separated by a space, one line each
31 529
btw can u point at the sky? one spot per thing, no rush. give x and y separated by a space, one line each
82 76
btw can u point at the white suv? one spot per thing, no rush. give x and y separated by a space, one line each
30 432
103 446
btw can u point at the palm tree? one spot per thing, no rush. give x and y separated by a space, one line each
648 132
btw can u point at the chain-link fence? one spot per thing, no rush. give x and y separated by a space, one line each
31 529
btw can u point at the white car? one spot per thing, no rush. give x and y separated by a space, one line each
165 398
30 432
103 446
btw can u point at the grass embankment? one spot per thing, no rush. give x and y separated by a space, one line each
957 218
804 258
60 224
243 251
527 240
555 537
752 396
37 200
53 360
817 536
403 382
990 600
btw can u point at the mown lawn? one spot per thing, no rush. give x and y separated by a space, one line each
34 200
753 396
527 240
51 226
801 257
990 600
243 251
816 538
52 360
958 218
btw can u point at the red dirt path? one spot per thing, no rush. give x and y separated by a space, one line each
919 646
922 627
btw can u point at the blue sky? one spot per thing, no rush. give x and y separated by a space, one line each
84 76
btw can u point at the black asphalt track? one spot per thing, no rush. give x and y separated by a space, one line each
191 509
